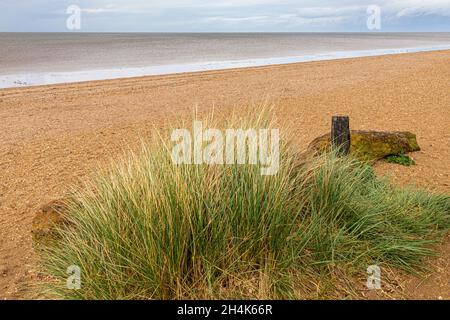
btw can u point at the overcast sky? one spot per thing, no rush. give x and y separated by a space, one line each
224 16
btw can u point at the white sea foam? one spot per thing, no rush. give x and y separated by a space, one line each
45 78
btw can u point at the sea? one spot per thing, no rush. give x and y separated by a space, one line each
29 59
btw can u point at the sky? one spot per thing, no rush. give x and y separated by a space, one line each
224 16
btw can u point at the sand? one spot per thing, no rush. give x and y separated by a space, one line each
51 136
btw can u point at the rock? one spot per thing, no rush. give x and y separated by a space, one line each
46 221
372 145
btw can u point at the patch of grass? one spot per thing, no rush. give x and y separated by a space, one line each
401 159
147 229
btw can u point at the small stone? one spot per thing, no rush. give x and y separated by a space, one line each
4 271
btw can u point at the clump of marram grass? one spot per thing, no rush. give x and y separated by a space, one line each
149 229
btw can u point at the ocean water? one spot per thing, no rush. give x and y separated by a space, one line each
28 59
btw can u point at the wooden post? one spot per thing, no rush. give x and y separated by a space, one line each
340 134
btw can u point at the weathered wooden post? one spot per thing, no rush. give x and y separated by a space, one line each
340 134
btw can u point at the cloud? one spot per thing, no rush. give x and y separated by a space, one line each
425 10
237 19
231 15
106 9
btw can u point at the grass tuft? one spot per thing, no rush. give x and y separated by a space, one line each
401 159
147 229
